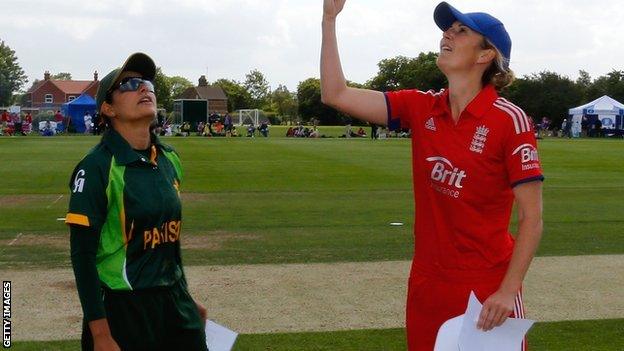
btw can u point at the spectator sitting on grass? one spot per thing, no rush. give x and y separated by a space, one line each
251 129
315 133
17 124
290 132
27 124
361 133
5 117
47 129
218 128
186 129
234 132
200 128
264 129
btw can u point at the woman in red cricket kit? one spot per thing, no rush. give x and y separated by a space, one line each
473 154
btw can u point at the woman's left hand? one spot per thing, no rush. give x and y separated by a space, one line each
495 310
203 312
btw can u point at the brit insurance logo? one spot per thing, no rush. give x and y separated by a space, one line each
478 139
528 156
446 178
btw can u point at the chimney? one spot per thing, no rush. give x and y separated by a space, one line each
203 82
46 75
95 76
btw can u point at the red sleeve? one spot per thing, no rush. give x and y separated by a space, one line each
521 156
404 106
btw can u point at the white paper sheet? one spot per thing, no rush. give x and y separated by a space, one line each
218 337
507 337
461 334
448 335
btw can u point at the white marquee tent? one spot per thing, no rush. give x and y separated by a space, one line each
608 110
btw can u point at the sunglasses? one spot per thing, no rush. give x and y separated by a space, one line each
133 84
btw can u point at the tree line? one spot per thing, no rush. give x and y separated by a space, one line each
543 94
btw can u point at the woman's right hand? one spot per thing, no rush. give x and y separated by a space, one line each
331 8
105 343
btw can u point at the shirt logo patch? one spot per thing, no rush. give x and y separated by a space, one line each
430 124
79 181
446 178
528 156
478 139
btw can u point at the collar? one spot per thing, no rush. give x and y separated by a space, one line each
482 103
123 152
479 105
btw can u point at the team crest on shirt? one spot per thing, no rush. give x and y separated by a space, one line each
478 139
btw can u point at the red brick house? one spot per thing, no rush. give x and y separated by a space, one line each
51 94
217 100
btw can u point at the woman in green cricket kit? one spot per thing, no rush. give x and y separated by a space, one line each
125 218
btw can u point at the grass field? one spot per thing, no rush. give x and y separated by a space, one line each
281 200
601 335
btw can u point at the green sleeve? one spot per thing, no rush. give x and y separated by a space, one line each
84 244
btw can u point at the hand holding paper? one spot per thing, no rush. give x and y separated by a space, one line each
461 333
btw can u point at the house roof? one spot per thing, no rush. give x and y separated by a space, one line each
72 86
36 86
211 93
67 86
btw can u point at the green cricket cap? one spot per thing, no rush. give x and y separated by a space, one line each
137 62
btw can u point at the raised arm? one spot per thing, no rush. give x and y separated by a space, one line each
364 104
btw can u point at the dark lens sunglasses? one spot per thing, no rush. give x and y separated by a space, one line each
133 84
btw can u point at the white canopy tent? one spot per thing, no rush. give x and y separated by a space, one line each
608 110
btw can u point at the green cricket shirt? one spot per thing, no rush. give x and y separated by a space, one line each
132 200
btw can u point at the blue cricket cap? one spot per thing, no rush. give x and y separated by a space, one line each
487 25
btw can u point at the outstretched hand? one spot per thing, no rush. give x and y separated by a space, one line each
331 8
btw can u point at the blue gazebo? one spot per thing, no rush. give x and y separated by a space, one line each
77 108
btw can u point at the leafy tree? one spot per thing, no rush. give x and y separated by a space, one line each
545 94
12 76
257 85
179 85
402 72
238 96
62 76
284 102
163 90
310 105
612 84
583 82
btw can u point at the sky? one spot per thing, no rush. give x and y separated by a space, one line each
281 38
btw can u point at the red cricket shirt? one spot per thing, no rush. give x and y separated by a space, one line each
463 178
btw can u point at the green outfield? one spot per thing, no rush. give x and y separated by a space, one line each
600 335
282 200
